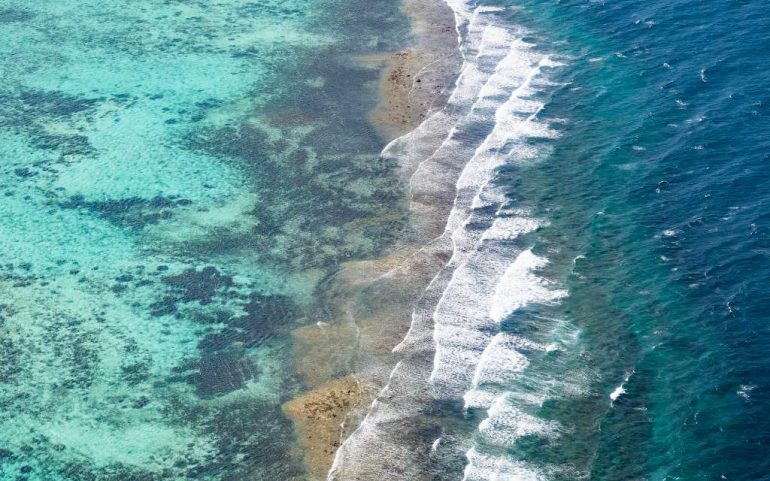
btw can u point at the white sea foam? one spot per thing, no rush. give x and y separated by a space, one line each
501 363
617 392
507 423
488 278
471 358
487 467
620 390
745 391
509 228
521 286
463 328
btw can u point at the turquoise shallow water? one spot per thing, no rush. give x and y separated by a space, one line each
176 178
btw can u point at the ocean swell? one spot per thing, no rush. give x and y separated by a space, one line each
455 352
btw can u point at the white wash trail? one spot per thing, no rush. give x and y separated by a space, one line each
457 350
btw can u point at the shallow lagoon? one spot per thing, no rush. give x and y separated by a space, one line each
176 180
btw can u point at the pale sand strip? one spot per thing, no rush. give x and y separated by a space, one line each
417 81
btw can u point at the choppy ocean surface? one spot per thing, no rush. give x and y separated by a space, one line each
602 316
178 179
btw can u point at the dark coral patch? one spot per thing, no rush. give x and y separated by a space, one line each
222 372
265 317
26 109
11 15
224 364
328 193
66 144
199 285
136 212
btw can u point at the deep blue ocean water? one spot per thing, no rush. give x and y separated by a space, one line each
659 184
178 178
656 192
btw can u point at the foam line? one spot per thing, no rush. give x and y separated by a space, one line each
454 348
486 467
519 287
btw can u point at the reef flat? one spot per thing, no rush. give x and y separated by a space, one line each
369 309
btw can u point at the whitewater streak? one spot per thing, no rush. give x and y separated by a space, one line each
455 349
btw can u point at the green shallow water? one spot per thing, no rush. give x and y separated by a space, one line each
176 178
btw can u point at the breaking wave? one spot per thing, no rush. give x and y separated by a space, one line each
457 350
